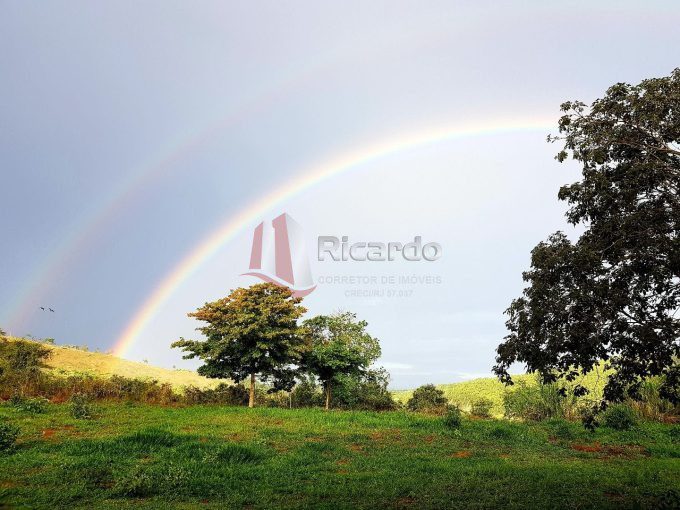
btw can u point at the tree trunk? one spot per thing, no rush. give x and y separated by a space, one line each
328 395
251 400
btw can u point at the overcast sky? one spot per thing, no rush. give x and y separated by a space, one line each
130 131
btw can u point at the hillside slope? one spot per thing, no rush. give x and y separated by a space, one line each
71 360
466 392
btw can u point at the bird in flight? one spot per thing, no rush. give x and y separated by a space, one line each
51 310
42 308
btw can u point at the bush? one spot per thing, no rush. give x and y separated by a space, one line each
561 429
21 363
452 418
36 405
8 436
481 408
366 392
536 402
427 398
225 394
619 417
81 408
307 394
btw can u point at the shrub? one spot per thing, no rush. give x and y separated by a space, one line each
81 408
481 408
648 402
8 436
365 392
307 394
427 398
535 402
226 394
21 362
619 417
561 428
452 419
36 405
138 482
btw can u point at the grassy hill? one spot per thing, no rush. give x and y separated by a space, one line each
72 360
466 392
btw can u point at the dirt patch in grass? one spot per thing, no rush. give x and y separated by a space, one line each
386 436
48 433
463 454
590 448
609 451
405 502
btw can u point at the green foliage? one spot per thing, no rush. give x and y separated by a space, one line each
188 456
8 436
561 428
30 405
481 408
613 294
365 391
669 500
619 417
251 332
534 402
233 454
307 393
226 394
427 398
338 346
81 407
453 417
21 364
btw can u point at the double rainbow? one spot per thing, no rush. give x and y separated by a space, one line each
251 214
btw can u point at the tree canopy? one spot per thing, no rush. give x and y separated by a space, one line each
252 332
338 345
614 293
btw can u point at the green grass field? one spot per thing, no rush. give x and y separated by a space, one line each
145 456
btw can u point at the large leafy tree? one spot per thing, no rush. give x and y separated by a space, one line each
614 293
338 346
252 332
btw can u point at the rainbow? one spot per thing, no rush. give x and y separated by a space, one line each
81 234
232 225
79 237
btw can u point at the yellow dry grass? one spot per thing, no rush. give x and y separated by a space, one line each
70 360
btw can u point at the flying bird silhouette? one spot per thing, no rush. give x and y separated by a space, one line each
42 308
51 310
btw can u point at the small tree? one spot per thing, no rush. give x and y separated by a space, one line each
427 398
338 345
21 364
251 332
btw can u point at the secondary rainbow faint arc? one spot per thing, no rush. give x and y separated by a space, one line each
249 215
